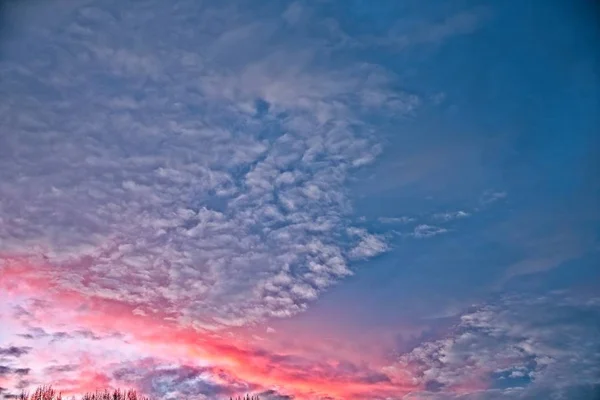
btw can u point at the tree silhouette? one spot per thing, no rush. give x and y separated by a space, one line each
48 393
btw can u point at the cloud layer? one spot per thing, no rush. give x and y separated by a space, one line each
176 176
199 172
517 347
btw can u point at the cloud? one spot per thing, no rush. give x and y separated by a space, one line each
165 178
222 361
519 347
273 395
462 23
450 216
368 246
200 175
491 196
396 220
14 351
544 252
406 33
424 231
293 13
13 376
167 381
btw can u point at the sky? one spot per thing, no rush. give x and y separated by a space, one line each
327 199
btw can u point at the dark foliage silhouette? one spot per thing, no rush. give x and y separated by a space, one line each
48 393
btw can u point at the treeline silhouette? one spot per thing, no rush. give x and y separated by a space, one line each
48 393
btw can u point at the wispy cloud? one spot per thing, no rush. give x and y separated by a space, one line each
492 196
396 220
424 231
449 216
406 33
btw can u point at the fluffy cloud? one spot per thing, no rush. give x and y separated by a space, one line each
368 245
517 347
177 381
199 172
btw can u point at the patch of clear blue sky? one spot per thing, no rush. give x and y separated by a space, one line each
519 115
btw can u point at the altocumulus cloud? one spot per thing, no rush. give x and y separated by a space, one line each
517 347
167 381
190 167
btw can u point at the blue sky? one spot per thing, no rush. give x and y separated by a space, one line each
521 123
388 199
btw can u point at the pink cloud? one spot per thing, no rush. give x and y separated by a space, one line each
62 309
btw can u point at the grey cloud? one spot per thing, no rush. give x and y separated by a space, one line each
33 332
274 395
21 371
58 336
5 370
14 351
61 368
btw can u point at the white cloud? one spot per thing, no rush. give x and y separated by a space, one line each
426 231
449 216
136 159
369 245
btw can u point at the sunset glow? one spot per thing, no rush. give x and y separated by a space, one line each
299 200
